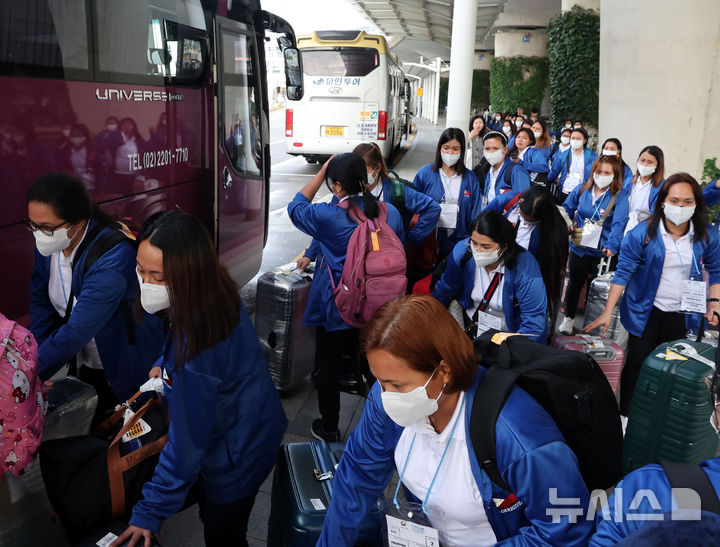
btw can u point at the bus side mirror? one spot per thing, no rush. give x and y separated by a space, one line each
293 74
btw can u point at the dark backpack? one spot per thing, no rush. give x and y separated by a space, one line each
689 475
569 385
397 198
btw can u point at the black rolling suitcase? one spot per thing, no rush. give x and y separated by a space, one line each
288 346
302 488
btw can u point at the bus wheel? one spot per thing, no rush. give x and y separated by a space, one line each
310 159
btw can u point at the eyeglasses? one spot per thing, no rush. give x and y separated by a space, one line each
48 231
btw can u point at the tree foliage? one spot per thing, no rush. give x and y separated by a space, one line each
517 81
574 50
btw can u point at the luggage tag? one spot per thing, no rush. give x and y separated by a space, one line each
591 235
138 430
407 526
448 215
694 294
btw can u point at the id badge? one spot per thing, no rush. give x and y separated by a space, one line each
571 182
407 526
487 321
591 235
694 295
448 215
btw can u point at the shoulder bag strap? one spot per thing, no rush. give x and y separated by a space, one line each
689 475
494 284
607 210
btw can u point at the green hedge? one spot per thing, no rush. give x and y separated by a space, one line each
518 81
574 50
480 90
711 172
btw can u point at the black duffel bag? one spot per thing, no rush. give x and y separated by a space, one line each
94 479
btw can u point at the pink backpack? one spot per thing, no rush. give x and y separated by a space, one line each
374 270
23 400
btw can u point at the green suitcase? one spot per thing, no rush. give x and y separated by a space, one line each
670 412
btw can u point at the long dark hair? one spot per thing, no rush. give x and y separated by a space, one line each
530 135
472 122
204 300
349 171
69 199
372 155
449 134
544 140
617 143
495 226
698 219
539 204
617 183
513 129
659 174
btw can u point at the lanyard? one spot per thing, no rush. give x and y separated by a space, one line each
598 203
447 198
682 264
487 298
407 459
62 281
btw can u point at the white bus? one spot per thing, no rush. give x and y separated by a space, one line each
354 92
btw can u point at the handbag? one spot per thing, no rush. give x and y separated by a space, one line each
577 232
94 479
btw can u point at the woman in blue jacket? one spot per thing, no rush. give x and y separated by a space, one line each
573 166
641 191
523 152
81 308
540 168
331 227
496 281
596 206
711 193
505 176
658 259
416 421
454 187
226 418
613 147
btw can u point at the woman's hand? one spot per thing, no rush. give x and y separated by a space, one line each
474 133
323 169
602 321
155 372
303 263
713 313
608 252
134 535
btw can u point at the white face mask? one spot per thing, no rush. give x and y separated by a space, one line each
111 127
507 129
449 159
565 140
66 132
494 157
154 298
576 144
518 123
77 141
47 245
678 215
497 118
577 127
568 125
607 152
537 134
407 408
483 258
603 181
370 179
645 170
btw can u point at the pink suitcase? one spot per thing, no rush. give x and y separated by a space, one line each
609 355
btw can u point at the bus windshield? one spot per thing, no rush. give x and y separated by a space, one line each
340 61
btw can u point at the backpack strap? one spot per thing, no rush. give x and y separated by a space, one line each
510 204
689 475
397 198
490 397
507 175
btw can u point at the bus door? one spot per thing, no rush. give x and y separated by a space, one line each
241 187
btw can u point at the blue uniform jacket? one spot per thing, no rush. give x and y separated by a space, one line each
556 156
615 521
428 182
104 295
640 267
524 301
532 457
536 160
623 206
226 424
711 194
613 226
332 227
519 180
499 204
560 167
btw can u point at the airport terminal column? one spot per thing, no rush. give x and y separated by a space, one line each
462 52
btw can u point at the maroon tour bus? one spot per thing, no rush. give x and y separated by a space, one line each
153 104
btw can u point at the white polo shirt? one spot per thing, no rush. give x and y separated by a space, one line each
669 292
455 506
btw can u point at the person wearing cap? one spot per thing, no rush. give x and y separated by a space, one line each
495 150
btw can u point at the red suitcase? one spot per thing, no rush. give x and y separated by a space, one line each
609 355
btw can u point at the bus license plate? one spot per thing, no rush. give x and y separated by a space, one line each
334 131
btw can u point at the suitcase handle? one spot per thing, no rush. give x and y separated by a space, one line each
606 353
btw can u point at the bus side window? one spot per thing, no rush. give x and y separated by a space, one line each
44 38
240 103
